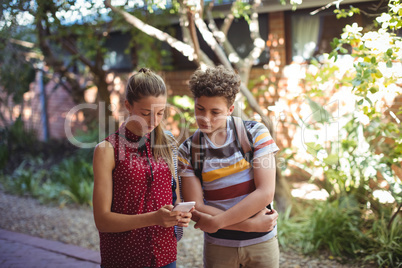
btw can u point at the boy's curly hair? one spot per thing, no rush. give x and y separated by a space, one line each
215 82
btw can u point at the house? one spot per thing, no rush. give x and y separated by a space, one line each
291 37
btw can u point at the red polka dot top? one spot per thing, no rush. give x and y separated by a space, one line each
140 185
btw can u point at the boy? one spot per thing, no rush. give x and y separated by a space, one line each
232 194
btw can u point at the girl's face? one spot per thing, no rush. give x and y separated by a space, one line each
211 113
146 114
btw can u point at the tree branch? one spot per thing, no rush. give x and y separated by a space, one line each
233 56
211 41
393 216
228 20
183 48
337 2
259 43
70 47
57 64
193 35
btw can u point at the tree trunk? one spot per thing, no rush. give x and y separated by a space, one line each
283 195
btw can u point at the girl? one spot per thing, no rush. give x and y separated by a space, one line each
133 169
231 201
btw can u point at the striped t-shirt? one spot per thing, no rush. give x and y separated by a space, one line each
228 178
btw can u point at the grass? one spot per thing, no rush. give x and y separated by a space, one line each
69 181
341 229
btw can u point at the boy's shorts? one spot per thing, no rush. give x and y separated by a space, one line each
261 255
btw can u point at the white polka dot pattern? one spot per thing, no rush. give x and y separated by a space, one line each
136 191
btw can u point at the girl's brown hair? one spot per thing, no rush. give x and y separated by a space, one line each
146 83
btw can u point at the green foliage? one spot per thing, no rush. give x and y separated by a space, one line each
13 138
386 248
288 237
76 176
342 229
25 179
185 111
357 156
16 71
335 226
70 181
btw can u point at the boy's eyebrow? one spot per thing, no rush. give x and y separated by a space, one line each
211 109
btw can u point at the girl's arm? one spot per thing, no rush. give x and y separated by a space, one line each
264 179
108 221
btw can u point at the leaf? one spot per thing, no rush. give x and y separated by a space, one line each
318 112
313 148
378 74
332 159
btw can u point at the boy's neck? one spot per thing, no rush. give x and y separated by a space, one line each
218 137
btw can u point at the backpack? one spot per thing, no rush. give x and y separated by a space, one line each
243 140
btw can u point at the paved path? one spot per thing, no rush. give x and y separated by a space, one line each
21 250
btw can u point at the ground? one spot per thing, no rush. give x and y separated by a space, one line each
75 225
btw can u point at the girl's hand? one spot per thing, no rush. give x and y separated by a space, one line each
185 218
165 217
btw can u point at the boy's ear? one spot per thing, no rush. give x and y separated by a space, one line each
231 108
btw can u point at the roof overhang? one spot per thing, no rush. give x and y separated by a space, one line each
269 6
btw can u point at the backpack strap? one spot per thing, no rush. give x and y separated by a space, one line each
243 139
177 229
197 154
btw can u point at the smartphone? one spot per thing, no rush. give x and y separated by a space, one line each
184 206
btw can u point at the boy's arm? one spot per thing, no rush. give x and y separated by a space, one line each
192 191
264 180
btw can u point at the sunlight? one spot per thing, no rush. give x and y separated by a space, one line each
383 196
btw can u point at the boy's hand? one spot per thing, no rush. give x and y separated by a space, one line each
205 222
264 221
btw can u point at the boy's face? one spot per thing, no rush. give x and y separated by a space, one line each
211 113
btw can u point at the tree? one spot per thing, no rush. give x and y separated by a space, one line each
364 155
377 70
70 50
70 38
193 16
17 70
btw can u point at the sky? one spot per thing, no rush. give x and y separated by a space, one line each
83 9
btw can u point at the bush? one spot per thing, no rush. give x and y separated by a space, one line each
13 138
386 243
70 181
340 228
76 176
335 226
25 179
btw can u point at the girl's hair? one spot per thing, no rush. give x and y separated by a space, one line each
146 83
215 82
